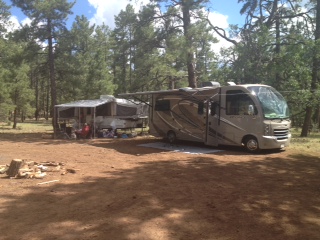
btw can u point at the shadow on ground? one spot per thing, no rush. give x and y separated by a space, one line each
197 198
120 144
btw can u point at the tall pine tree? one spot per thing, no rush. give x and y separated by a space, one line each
48 16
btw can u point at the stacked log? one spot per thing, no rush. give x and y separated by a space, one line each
4 169
15 166
20 168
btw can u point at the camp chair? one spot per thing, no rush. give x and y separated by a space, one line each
61 131
84 133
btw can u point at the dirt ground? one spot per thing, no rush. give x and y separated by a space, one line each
124 191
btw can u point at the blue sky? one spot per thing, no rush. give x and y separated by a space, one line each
97 11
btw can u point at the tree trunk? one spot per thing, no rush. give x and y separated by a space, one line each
277 48
37 97
14 167
52 74
306 123
14 119
190 52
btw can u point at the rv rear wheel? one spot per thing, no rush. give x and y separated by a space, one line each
171 136
251 144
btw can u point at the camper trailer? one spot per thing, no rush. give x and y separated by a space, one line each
107 112
254 116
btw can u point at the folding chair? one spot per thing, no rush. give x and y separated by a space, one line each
61 131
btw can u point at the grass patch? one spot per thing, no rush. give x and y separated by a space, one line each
29 126
306 145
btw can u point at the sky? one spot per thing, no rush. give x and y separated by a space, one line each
222 14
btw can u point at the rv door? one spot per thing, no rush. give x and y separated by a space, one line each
212 123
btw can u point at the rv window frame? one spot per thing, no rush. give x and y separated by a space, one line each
213 108
201 106
162 105
232 94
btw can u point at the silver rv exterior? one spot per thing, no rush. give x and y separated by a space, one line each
253 116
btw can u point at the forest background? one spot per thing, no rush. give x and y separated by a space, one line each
167 44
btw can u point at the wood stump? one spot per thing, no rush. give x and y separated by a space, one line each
14 167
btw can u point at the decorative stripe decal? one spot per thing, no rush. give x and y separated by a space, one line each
213 133
229 123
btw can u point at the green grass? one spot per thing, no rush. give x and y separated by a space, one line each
306 145
29 126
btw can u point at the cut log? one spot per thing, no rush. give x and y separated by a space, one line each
14 167
3 169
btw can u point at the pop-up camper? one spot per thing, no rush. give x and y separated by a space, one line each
106 112
253 116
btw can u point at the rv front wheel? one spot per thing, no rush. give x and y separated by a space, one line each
251 144
171 136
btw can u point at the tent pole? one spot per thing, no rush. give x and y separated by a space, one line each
94 122
79 118
54 123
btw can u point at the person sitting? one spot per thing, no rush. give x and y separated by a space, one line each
85 132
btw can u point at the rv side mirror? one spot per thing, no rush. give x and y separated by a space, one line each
200 108
250 110
213 108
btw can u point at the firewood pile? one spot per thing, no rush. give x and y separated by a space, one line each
20 168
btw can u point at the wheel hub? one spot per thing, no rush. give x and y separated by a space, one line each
252 145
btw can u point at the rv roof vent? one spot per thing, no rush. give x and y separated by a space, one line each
231 84
210 84
105 97
185 89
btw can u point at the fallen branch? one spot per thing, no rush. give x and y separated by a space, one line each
48 182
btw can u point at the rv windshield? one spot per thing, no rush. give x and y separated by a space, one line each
273 104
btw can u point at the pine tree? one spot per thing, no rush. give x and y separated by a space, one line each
48 16
182 10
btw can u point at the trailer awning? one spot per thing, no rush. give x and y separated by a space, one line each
85 103
98 102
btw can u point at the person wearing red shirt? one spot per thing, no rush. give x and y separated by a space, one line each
84 132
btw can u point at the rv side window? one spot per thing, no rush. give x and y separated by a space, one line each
200 108
162 105
214 108
238 103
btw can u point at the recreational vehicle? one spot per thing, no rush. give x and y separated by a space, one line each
254 116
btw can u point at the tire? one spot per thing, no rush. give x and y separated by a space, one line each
251 144
171 137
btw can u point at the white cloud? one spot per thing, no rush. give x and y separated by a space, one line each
221 21
13 24
26 21
106 10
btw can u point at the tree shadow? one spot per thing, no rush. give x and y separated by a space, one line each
192 198
120 144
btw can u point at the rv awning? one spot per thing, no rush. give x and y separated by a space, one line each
98 102
85 103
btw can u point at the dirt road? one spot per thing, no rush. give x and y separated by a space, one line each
124 191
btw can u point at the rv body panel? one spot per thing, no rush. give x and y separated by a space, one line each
178 111
228 125
232 125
